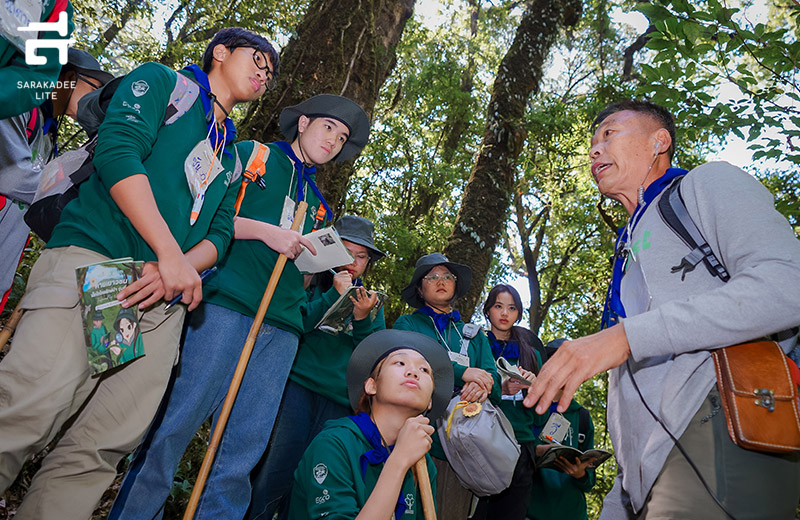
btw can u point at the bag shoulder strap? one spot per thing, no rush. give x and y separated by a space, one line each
673 212
584 420
469 331
254 171
183 96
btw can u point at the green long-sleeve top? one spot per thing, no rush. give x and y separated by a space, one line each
555 495
27 86
322 358
243 274
133 140
479 352
328 482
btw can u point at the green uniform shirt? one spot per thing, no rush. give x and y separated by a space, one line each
321 362
243 274
555 495
328 482
133 140
27 86
479 352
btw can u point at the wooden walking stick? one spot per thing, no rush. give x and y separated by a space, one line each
241 366
11 324
425 491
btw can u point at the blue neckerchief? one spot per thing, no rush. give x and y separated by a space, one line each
506 349
377 455
442 320
305 175
538 429
613 309
201 78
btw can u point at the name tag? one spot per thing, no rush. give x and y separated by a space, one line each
556 427
287 214
461 359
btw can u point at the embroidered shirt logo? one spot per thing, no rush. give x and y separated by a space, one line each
139 88
320 473
409 500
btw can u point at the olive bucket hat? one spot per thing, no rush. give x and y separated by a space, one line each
463 278
361 231
333 106
380 344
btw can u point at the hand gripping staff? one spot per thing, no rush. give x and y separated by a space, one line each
241 366
425 491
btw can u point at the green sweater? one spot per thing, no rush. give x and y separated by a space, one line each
133 140
555 495
328 482
322 358
243 274
26 86
479 352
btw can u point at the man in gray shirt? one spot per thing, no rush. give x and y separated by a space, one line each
660 327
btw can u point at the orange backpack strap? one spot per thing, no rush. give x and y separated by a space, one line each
254 172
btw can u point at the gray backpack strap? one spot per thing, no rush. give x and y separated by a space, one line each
469 331
237 169
181 99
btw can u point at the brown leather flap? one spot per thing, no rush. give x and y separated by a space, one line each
752 366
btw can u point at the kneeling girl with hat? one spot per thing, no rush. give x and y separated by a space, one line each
359 466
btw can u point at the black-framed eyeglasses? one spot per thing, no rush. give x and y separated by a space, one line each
262 63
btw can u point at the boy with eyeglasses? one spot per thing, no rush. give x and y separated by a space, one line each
138 204
320 129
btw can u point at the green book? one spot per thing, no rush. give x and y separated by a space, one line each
112 333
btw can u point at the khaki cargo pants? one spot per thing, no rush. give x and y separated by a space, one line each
45 384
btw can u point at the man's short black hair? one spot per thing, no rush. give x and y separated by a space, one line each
660 114
234 37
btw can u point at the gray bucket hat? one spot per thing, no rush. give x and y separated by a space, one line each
337 107
86 64
361 231
424 265
379 344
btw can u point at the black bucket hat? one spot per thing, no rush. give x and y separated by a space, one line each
380 344
336 107
424 265
361 231
84 63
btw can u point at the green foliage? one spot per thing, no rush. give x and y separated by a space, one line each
720 72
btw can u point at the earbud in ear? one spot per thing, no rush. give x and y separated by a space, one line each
656 147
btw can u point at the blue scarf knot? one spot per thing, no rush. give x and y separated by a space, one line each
506 349
442 320
377 455
305 173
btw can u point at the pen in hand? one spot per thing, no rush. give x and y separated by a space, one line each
203 276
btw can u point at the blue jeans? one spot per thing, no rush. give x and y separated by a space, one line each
214 340
302 416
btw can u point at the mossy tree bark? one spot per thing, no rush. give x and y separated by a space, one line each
484 205
344 47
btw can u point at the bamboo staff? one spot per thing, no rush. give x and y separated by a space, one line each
11 324
241 366
425 491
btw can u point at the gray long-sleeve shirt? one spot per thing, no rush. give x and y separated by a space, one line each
671 341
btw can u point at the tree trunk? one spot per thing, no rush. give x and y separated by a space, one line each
344 47
482 216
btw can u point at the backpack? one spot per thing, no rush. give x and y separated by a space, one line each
673 212
62 176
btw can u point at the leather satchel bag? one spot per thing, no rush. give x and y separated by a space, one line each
759 396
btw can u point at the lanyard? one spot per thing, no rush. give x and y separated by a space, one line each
613 309
201 78
304 176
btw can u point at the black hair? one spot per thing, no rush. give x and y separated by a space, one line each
528 342
659 114
234 37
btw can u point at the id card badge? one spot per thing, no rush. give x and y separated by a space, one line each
459 358
555 429
287 213
634 292
201 168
